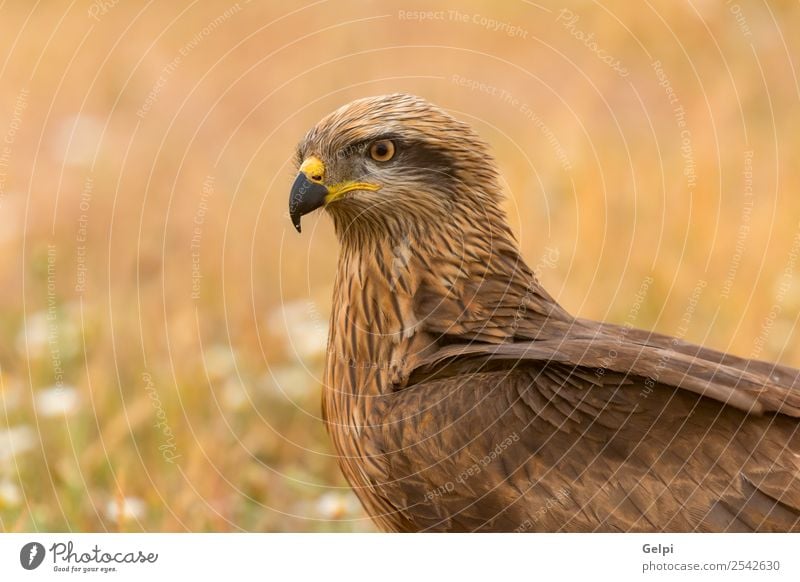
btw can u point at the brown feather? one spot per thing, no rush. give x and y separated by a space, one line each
461 397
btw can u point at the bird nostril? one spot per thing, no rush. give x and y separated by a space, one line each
316 178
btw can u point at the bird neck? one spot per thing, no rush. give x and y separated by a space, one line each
375 330
401 296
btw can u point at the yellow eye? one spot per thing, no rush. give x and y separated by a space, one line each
382 150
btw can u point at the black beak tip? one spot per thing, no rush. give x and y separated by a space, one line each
305 197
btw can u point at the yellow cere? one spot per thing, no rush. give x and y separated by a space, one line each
313 168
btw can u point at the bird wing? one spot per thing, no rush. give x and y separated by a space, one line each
750 385
559 435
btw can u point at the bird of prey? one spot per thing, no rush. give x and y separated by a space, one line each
460 396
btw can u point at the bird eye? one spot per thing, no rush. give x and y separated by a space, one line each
382 150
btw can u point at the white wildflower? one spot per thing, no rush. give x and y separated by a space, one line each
125 509
76 139
10 495
302 326
16 440
333 505
57 401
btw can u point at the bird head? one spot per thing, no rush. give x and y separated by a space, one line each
392 163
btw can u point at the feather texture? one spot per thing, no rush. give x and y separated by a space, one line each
461 397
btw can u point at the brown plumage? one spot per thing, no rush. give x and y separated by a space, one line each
461 397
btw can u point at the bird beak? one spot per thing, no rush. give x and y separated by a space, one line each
309 191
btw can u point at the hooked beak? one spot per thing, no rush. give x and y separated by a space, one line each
305 196
309 191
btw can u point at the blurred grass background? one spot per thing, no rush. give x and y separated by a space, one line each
163 326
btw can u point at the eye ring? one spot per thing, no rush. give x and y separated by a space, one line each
382 150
